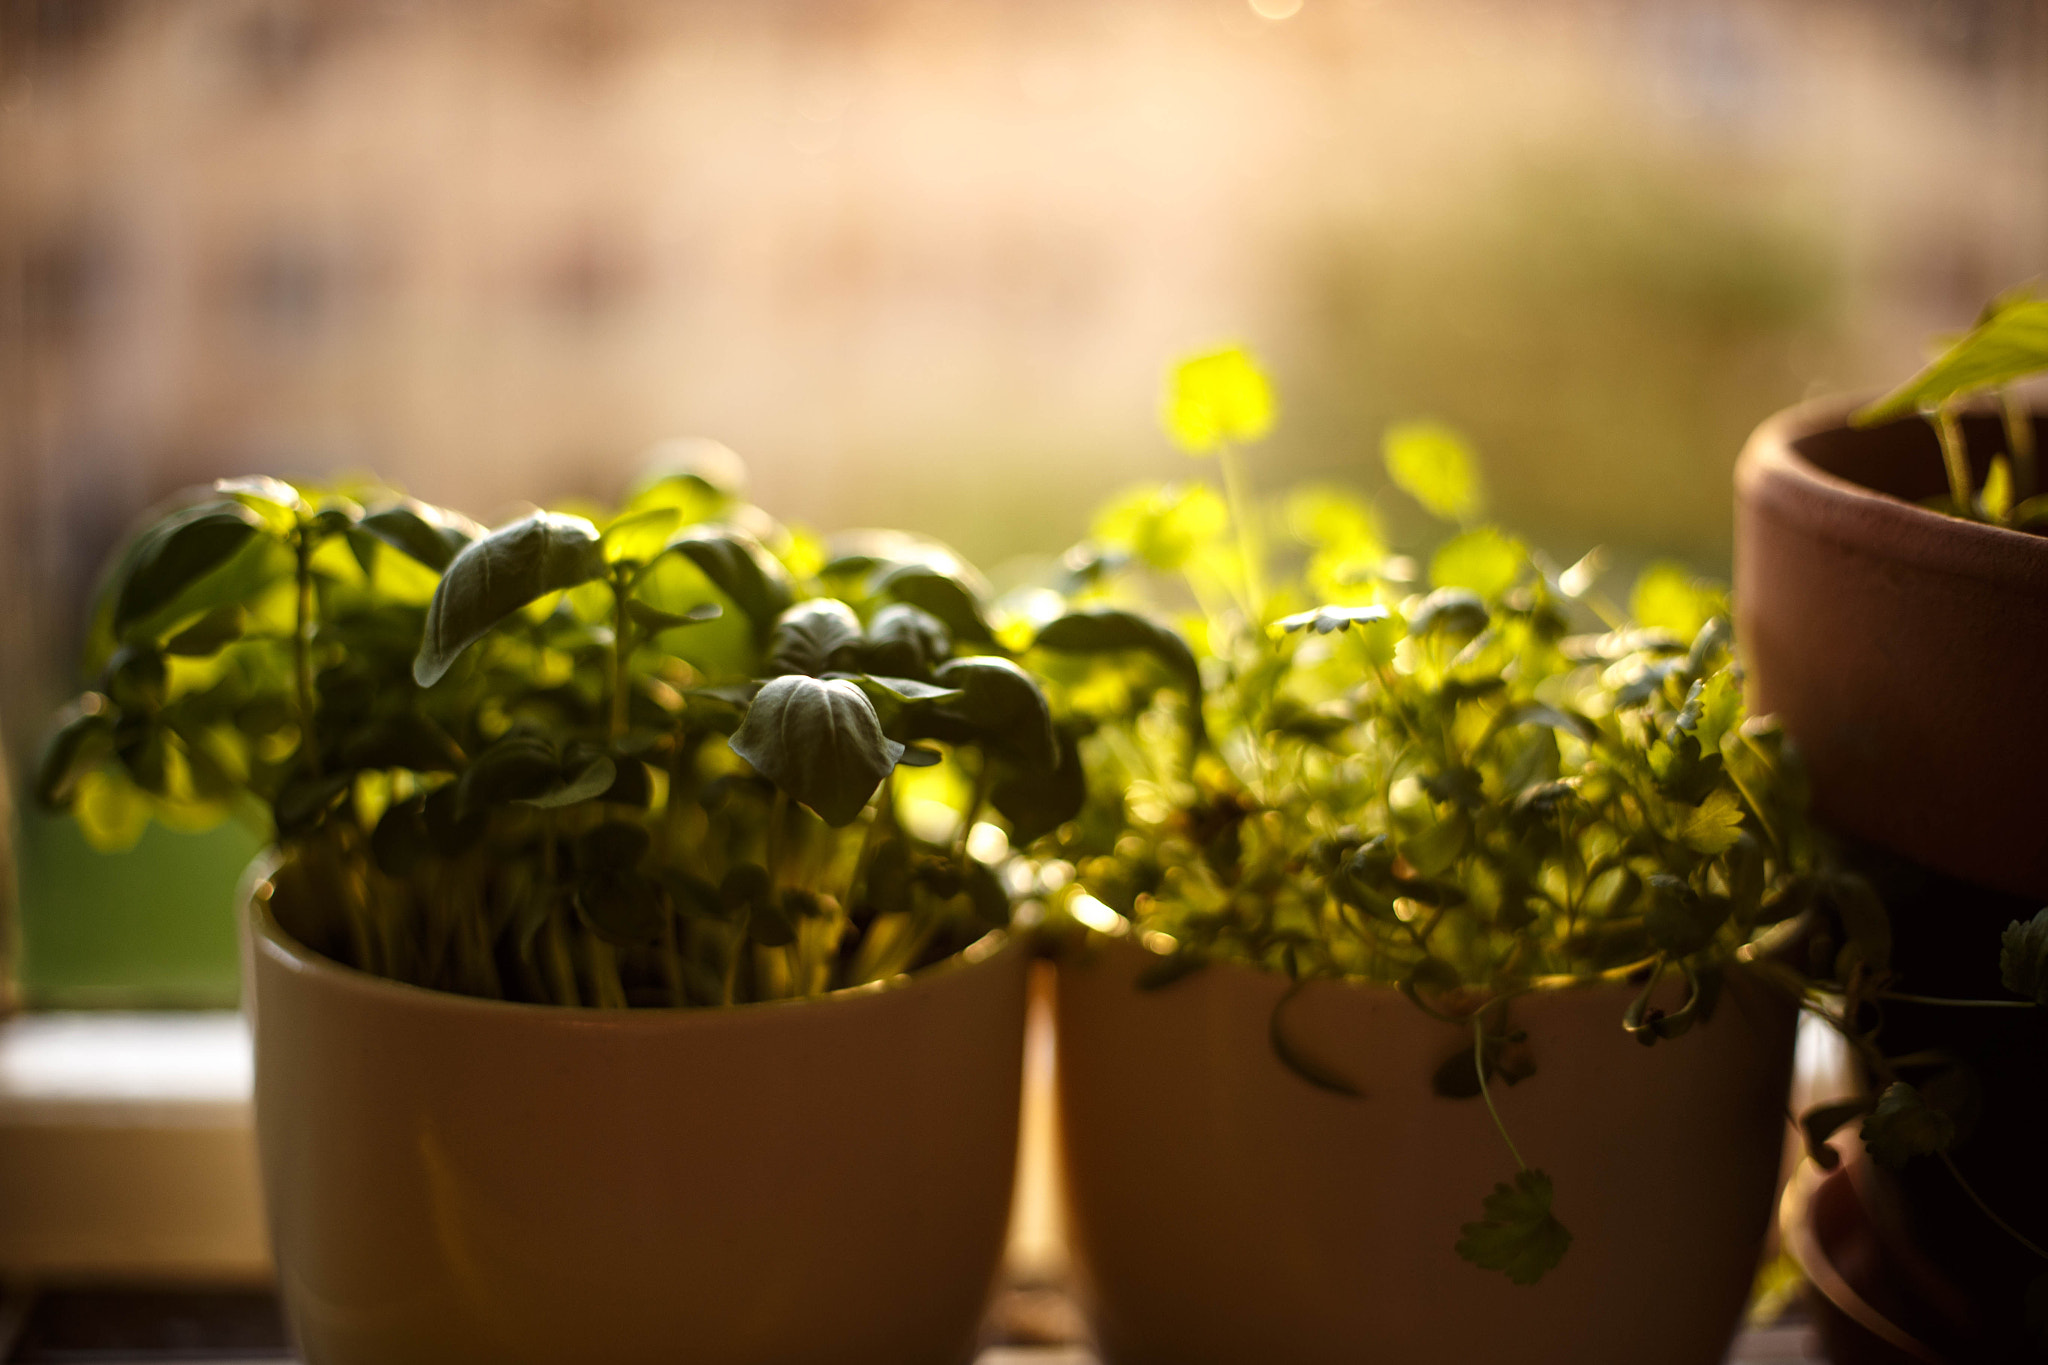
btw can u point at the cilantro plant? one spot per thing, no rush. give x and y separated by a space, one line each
2008 343
679 755
1470 779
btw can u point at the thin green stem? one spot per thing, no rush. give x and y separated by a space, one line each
1955 456
2019 443
302 652
778 821
1248 546
1984 1208
983 782
1479 1066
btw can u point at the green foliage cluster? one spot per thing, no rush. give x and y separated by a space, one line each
1470 778
678 755
2008 343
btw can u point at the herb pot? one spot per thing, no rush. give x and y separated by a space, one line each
1901 648
459 1180
1224 1210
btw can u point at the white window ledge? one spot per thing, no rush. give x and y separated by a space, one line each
127 1149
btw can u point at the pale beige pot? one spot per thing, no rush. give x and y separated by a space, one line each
1224 1211
455 1181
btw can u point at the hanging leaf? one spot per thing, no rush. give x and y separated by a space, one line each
740 568
175 553
494 577
1106 630
1218 397
427 534
1432 464
1000 707
820 741
1904 1125
1519 1236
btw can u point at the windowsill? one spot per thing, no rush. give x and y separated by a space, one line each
127 1149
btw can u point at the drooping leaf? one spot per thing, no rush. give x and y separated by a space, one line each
740 568
431 535
1519 1236
1107 630
1037 800
1432 464
176 553
820 741
814 638
82 742
1000 707
1217 397
494 577
2009 343
1904 1125
2023 958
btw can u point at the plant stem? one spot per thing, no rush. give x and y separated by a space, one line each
1479 1066
1955 456
302 653
1984 1208
778 818
2019 443
1248 547
983 781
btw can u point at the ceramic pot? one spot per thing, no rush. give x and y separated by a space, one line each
455 1181
1903 650
1223 1210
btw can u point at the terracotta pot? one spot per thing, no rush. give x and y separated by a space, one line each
455 1180
1223 1210
1905 651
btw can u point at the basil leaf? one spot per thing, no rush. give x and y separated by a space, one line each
428 534
177 552
1001 708
820 741
1105 630
814 638
496 576
740 568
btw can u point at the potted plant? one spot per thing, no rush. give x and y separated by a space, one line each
1382 919
629 979
1893 592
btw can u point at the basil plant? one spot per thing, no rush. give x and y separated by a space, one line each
677 755
1470 779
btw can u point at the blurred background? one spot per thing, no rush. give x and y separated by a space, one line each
922 262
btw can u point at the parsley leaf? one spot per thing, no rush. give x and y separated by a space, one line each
1519 1236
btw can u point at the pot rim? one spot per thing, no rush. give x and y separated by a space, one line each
271 939
1771 472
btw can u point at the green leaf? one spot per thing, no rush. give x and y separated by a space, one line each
430 535
945 596
595 777
1519 1236
740 568
83 742
1218 397
494 577
2010 342
637 537
1166 525
1001 708
1714 825
1997 494
1458 612
2023 958
111 811
1334 520
814 638
1323 620
820 741
1668 596
906 642
1681 921
1904 1125
176 553
1106 630
1037 800
516 768
654 621
1483 560
700 478
1432 464
209 635
622 907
